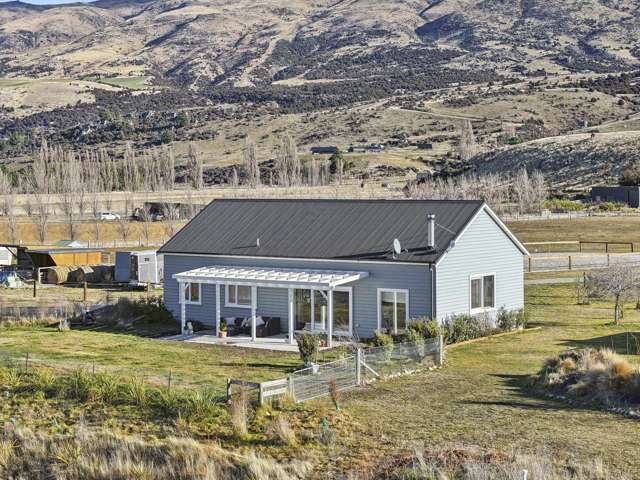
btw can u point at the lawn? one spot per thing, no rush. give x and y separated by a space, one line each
190 365
612 229
482 397
132 83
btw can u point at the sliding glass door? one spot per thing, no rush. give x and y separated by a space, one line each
311 310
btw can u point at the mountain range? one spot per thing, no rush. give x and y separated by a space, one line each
200 43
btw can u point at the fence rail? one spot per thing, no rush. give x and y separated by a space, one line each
366 365
563 262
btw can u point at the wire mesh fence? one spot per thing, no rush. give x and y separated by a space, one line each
366 365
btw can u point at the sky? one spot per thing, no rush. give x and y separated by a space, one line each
47 2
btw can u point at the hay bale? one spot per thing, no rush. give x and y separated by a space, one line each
103 273
81 274
58 275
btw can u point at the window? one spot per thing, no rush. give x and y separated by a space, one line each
483 292
393 310
238 296
192 293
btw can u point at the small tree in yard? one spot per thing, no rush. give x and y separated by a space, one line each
618 281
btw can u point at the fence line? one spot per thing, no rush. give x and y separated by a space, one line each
366 365
556 263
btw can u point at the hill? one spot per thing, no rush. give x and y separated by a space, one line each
199 43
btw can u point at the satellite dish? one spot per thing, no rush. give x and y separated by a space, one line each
397 248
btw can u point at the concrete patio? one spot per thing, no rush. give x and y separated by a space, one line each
276 343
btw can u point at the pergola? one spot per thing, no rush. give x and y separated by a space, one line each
254 277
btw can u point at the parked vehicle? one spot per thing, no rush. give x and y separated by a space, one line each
109 216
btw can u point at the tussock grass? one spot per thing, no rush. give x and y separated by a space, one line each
100 455
599 376
473 463
239 413
103 388
280 430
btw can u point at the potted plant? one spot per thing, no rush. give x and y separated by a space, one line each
222 333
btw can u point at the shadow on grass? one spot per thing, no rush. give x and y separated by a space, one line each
623 343
527 398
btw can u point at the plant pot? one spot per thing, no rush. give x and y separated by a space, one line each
222 334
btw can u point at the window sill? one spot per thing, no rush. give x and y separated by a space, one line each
476 311
188 302
235 305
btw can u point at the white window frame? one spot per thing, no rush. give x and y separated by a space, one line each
349 290
395 292
227 303
483 309
187 294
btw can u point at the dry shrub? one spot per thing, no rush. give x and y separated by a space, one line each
239 413
600 376
100 455
280 430
473 463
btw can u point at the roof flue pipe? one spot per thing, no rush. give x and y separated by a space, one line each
431 231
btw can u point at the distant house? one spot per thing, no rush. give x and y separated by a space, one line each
425 146
324 150
70 244
343 268
629 195
373 148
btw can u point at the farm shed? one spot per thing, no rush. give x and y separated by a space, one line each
65 257
342 268
138 267
621 194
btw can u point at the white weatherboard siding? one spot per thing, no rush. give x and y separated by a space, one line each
483 248
274 301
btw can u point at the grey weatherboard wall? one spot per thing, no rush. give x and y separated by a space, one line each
483 248
273 301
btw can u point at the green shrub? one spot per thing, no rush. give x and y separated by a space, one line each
417 339
507 320
383 340
563 205
308 347
460 328
610 207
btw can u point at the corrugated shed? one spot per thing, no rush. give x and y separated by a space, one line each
323 229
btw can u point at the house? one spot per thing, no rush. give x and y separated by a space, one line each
324 150
373 148
341 267
70 244
628 195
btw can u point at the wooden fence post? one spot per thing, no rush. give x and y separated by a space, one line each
440 351
228 389
359 366
84 292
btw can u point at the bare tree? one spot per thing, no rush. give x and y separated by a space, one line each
194 164
618 281
124 223
468 146
288 165
68 186
251 163
147 219
171 217
7 192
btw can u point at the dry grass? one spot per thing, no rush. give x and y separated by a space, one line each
100 455
473 463
599 376
280 430
239 413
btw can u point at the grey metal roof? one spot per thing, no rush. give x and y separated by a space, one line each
323 229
